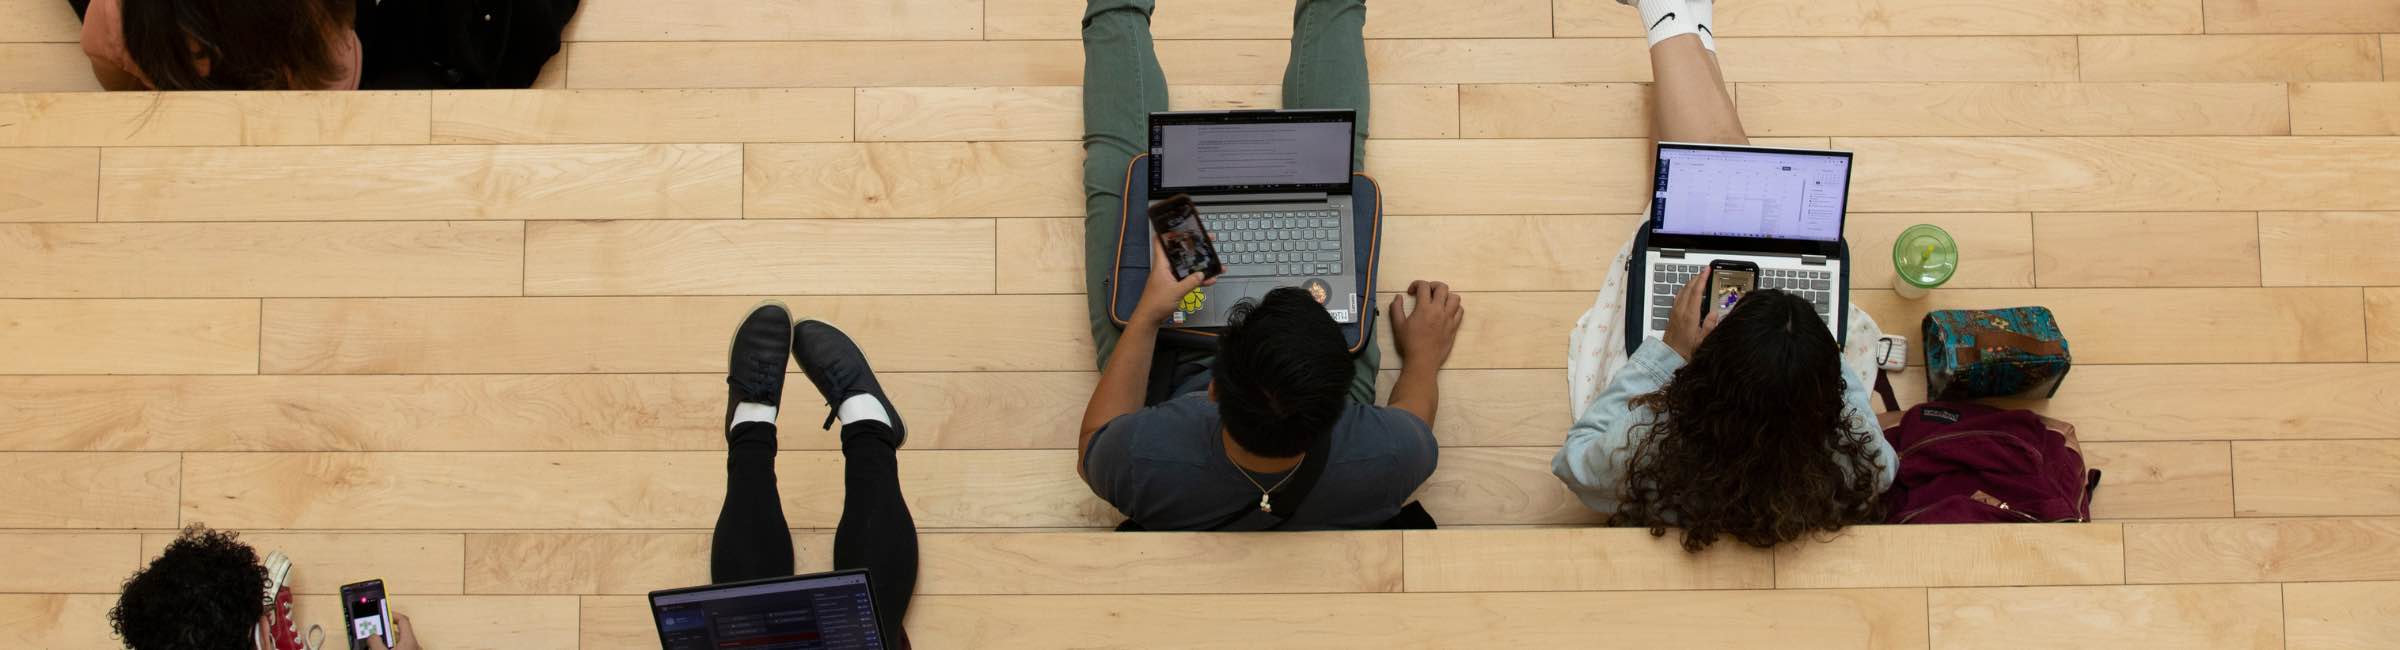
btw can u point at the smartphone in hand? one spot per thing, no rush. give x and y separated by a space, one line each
1728 281
1186 241
365 613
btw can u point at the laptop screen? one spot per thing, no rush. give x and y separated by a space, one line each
1250 151
829 611
1753 193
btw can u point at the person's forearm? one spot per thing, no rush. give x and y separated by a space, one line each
1121 382
1418 391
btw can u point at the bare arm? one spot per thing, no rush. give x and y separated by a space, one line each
1424 338
1128 370
1692 104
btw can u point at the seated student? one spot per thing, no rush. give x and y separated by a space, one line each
1743 424
207 592
1282 376
222 45
876 532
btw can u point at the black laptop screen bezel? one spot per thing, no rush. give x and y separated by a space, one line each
872 606
1828 249
1173 118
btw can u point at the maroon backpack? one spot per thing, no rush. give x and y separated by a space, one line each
1966 463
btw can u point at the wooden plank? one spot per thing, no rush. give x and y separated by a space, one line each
2150 480
2024 109
1271 19
1503 252
619 623
1604 110
668 181
1400 110
2291 550
1030 113
57 621
45 68
809 64
814 256
34 21
1492 335
1501 485
2166 325
1586 559
1995 58
1906 18
88 490
2328 248
2196 617
1511 176
2383 324
806 20
514 335
2345 108
1444 61
193 119
2391 65
1955 556
226 260
413 564
471 622
2146 249
2301 16
128 336
608 563
2344 616
915 179
49 184
1994 250
2121 174
2349 477
72 563
602 116
1040 256
1191 563
1496 408
2314 57
2221 402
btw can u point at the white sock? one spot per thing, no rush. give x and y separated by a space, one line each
1671 18
752 412
1704 19
862 408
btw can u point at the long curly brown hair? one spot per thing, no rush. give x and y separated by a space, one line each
1751 440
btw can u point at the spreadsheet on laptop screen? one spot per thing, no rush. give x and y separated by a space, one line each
1759 194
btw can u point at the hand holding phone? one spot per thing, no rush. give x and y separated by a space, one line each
1728 282
366 614
1184 239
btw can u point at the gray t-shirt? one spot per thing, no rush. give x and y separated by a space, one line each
1165 466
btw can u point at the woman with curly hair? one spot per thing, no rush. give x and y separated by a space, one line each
1743 424
206 592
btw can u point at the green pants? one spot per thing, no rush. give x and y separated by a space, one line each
1122 85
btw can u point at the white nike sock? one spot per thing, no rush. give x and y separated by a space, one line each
1704 20
862 408
1668 19
752 412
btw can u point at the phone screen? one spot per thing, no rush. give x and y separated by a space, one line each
1727 286
369 614
1185 239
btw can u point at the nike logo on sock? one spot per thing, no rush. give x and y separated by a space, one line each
1663 20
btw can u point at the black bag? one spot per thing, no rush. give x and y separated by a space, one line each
1288 502
458 44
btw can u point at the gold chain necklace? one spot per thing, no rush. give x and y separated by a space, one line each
1265 494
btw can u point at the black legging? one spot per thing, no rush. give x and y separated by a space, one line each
876 532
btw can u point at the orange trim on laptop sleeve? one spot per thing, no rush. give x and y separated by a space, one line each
1366 335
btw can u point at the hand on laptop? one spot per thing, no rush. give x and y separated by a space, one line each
1425 335
401 630
1163 292
1685 328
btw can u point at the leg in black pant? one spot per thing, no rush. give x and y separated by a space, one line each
876 532
752 540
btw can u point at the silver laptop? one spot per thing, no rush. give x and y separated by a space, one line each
1273 188
1781 209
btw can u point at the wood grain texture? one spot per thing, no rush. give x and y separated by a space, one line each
1272 19
2383 324
2302 478
2004 109
1589 110
228 260
1188 563
1496 408
2391 65
202 119
68 563
1489 336
604 116
1955 556
32 21
2290 550
2319 57
1501 485
1437 61
2328 248
607 563
110 337
2167 325
1040 256
2342 616
88 490
57 621
49 184
578 335
2146 249
1502 252
1033 113
816 256
470 622
2149 480
2301 16
806 20
670 181
817 64
1586 559
2121 174
1995 58
412 563
45 68
1906 17
914 179
2224 402
1511 176
2345 108
2180 617
1995 251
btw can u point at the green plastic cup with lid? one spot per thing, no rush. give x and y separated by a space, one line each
1923 258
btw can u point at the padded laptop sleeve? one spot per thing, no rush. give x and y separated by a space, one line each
1133 259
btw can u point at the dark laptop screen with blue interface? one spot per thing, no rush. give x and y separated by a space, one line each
1237 154
1757 194
830 613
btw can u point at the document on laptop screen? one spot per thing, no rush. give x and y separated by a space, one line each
1750 194
1272 153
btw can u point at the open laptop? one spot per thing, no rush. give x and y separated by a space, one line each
828 611
1781 209
1273 188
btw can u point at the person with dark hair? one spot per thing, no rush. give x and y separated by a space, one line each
223 44
208 591
1746 423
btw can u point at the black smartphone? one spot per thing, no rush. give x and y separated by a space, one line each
365 613
1185 239
1728 281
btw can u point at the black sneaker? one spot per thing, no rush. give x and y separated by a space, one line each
834 363
756 372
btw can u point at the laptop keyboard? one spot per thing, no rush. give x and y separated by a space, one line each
1816 286
1278 243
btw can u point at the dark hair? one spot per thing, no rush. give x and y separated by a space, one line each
247 44
1751 439
204 593
1282 374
